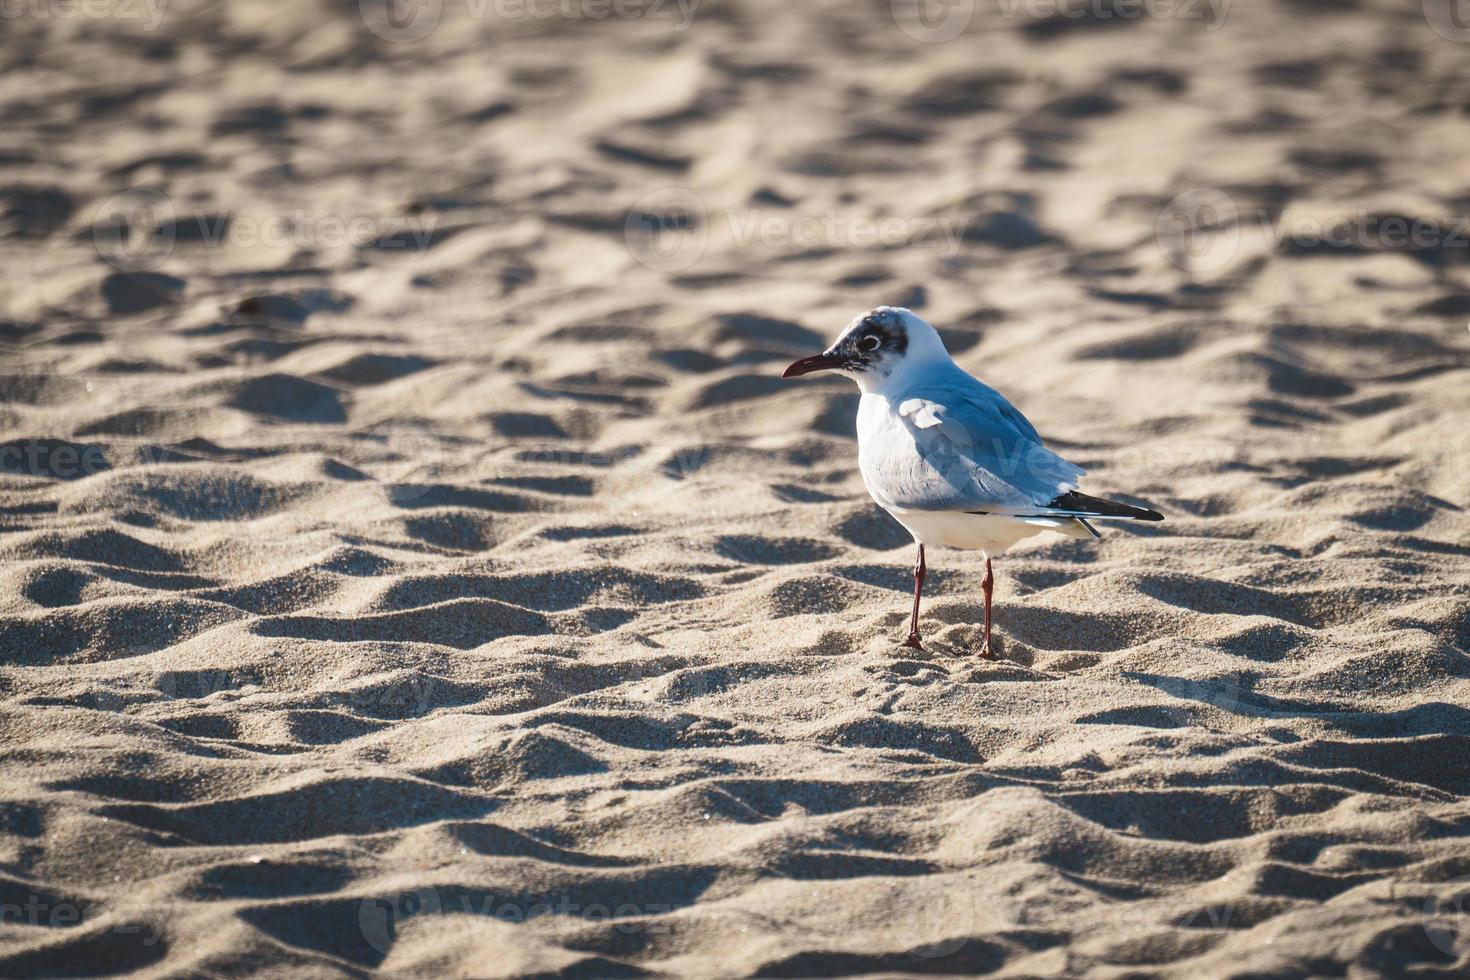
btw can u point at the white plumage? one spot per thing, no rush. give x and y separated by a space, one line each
952 460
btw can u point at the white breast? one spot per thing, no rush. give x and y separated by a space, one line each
888 454
990 533
886 448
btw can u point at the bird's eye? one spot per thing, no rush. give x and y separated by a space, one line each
868 344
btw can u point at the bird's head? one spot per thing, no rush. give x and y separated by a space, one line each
876 347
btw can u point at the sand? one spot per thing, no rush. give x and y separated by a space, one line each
411 561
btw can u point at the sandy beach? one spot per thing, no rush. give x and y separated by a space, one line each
412 563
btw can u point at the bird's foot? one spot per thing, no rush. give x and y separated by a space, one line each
986 653
913 642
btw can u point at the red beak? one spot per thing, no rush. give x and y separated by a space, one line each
817 362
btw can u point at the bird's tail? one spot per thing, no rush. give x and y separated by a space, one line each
1084 506
1072 514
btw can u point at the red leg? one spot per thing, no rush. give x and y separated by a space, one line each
913 640
988 586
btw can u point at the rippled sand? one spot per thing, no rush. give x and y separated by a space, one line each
460 591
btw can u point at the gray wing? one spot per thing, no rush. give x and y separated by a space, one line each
965 449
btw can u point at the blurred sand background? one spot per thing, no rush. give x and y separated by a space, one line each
413 563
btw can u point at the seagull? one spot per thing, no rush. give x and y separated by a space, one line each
952 460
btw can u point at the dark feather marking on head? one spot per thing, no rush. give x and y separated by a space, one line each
887 329
891 335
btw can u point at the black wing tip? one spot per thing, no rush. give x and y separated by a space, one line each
1073 500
